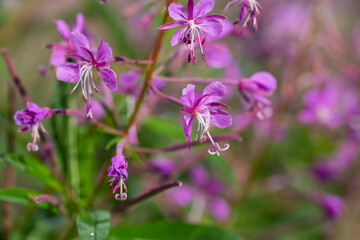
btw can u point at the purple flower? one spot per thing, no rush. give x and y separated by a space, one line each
254 91
31 118
103 1
162 166
332 205
331 168
82 72
330 105
206 108
249 10
118 174
203 193
61 50
196 24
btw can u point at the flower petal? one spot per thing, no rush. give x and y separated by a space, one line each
68 72
79 23
177 12
215 90
190 9
177 37
80 43
188 95
218 55
203 7
212 27
63 29
220 118
104 52
58 57
187 127
265 81
109 78
172 25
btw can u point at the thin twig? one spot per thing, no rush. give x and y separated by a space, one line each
180 146
169 98
197 80
95 122
148 77
124 59
14 76
145 195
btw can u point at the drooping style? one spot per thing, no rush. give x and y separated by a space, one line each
249 10
206 108
196 24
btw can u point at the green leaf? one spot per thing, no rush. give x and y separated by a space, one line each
34 168
93 225
19 196
24 197
222 167
164 127
171 230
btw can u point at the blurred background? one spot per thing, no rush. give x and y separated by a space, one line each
294 176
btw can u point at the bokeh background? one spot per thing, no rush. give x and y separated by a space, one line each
268 180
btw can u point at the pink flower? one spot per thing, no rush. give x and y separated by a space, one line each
255 91
82 72
196 24
31 118
117 171
60 50
249 9
206 108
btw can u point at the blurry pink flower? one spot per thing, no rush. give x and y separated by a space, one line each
61 50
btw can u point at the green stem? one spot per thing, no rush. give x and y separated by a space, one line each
149 73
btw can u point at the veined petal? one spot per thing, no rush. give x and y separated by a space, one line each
177 12
190 9
104 52
218 55
220 118
80 43
203 7
58 57
209 17
68 72
177 37
79 23
188 95
265 81
212 27
187 127
63 29
172 25
109 78
215 90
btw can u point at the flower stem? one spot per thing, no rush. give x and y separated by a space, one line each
122 207
180 146
148 77
14 76
197 80
95 122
